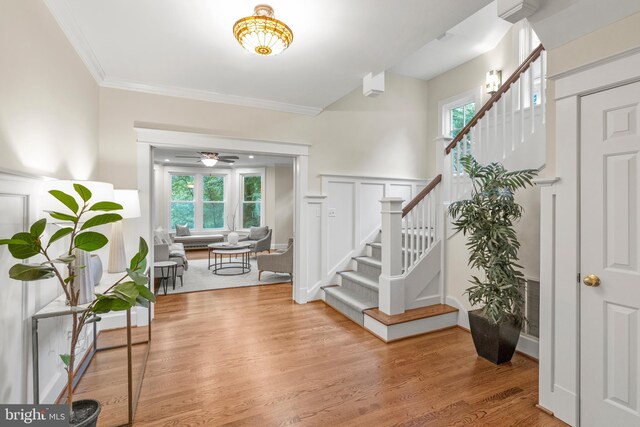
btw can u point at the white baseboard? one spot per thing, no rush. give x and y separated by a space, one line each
527 344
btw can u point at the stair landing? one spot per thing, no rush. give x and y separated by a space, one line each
412 322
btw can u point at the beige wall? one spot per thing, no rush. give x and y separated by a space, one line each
384 136
610 40
48 101
283 209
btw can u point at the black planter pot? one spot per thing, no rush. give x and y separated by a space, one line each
87 412
496 343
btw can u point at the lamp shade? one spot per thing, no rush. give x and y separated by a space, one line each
130 203
100 192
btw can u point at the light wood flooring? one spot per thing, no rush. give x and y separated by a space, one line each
252 357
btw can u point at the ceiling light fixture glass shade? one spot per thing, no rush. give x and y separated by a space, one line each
209 162
261 33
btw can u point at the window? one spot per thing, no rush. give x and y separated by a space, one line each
528 41
213 211
251 201
182 200
459 117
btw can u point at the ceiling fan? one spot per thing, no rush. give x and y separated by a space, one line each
210 159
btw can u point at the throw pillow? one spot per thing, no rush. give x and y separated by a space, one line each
257 233
182 230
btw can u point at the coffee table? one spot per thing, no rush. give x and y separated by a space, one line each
219 265
226 247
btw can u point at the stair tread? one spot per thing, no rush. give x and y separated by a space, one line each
360 278
349 297
375 244
369 260
410 315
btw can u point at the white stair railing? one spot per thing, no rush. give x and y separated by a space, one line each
514 113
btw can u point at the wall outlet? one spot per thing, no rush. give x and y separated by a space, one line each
332 212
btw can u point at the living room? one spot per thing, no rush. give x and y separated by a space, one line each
225 218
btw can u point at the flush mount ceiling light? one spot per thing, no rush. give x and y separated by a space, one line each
261 33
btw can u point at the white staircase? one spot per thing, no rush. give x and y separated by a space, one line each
397 289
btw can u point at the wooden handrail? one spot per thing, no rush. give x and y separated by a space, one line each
421 195
496 96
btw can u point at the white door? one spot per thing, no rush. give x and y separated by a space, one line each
610 236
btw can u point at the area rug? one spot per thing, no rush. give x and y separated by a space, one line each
199 278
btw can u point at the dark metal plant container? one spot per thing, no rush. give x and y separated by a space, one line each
496 343
87 412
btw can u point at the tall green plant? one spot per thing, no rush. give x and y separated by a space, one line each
487 217
129 291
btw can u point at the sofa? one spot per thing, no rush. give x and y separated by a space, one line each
259 238
167 250
280 262
194 242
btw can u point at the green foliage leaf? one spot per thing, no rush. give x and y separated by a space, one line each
101 220
59 234
106 206
66 359
30 272
82 191
63 217
146 293
12 242
90 241
110 303
28 247
137 277
66 199
66 259
37 228
143 248
138 262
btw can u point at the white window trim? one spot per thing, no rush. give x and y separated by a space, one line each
445 105
241 173
198 173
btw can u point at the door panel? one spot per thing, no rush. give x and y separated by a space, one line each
609 313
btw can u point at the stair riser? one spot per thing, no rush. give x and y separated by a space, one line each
364 292
353 314
376 253
370 271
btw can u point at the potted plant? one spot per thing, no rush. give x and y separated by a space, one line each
487 217
131 290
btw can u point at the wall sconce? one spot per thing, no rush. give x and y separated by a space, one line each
494 81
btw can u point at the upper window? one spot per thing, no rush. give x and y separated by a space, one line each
459 116
182 200
528 41
251 201
213 208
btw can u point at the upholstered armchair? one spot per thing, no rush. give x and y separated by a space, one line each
260 239
281 262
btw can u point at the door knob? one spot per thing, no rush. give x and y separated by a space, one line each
591 280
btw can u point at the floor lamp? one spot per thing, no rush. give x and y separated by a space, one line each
130 209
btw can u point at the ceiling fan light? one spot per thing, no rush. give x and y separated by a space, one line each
209 162
261 33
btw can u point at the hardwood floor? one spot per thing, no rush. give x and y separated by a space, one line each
252 357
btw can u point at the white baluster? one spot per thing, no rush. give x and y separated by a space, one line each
531 95
405 243
543 84
430 222
513 117
503 124
424 224
499 146
521 84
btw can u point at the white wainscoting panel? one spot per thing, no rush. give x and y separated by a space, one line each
355 202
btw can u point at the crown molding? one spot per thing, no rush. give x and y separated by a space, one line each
202 95
63 15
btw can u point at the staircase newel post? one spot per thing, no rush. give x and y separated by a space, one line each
444 166
391 291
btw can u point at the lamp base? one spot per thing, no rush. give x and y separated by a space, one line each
117 256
